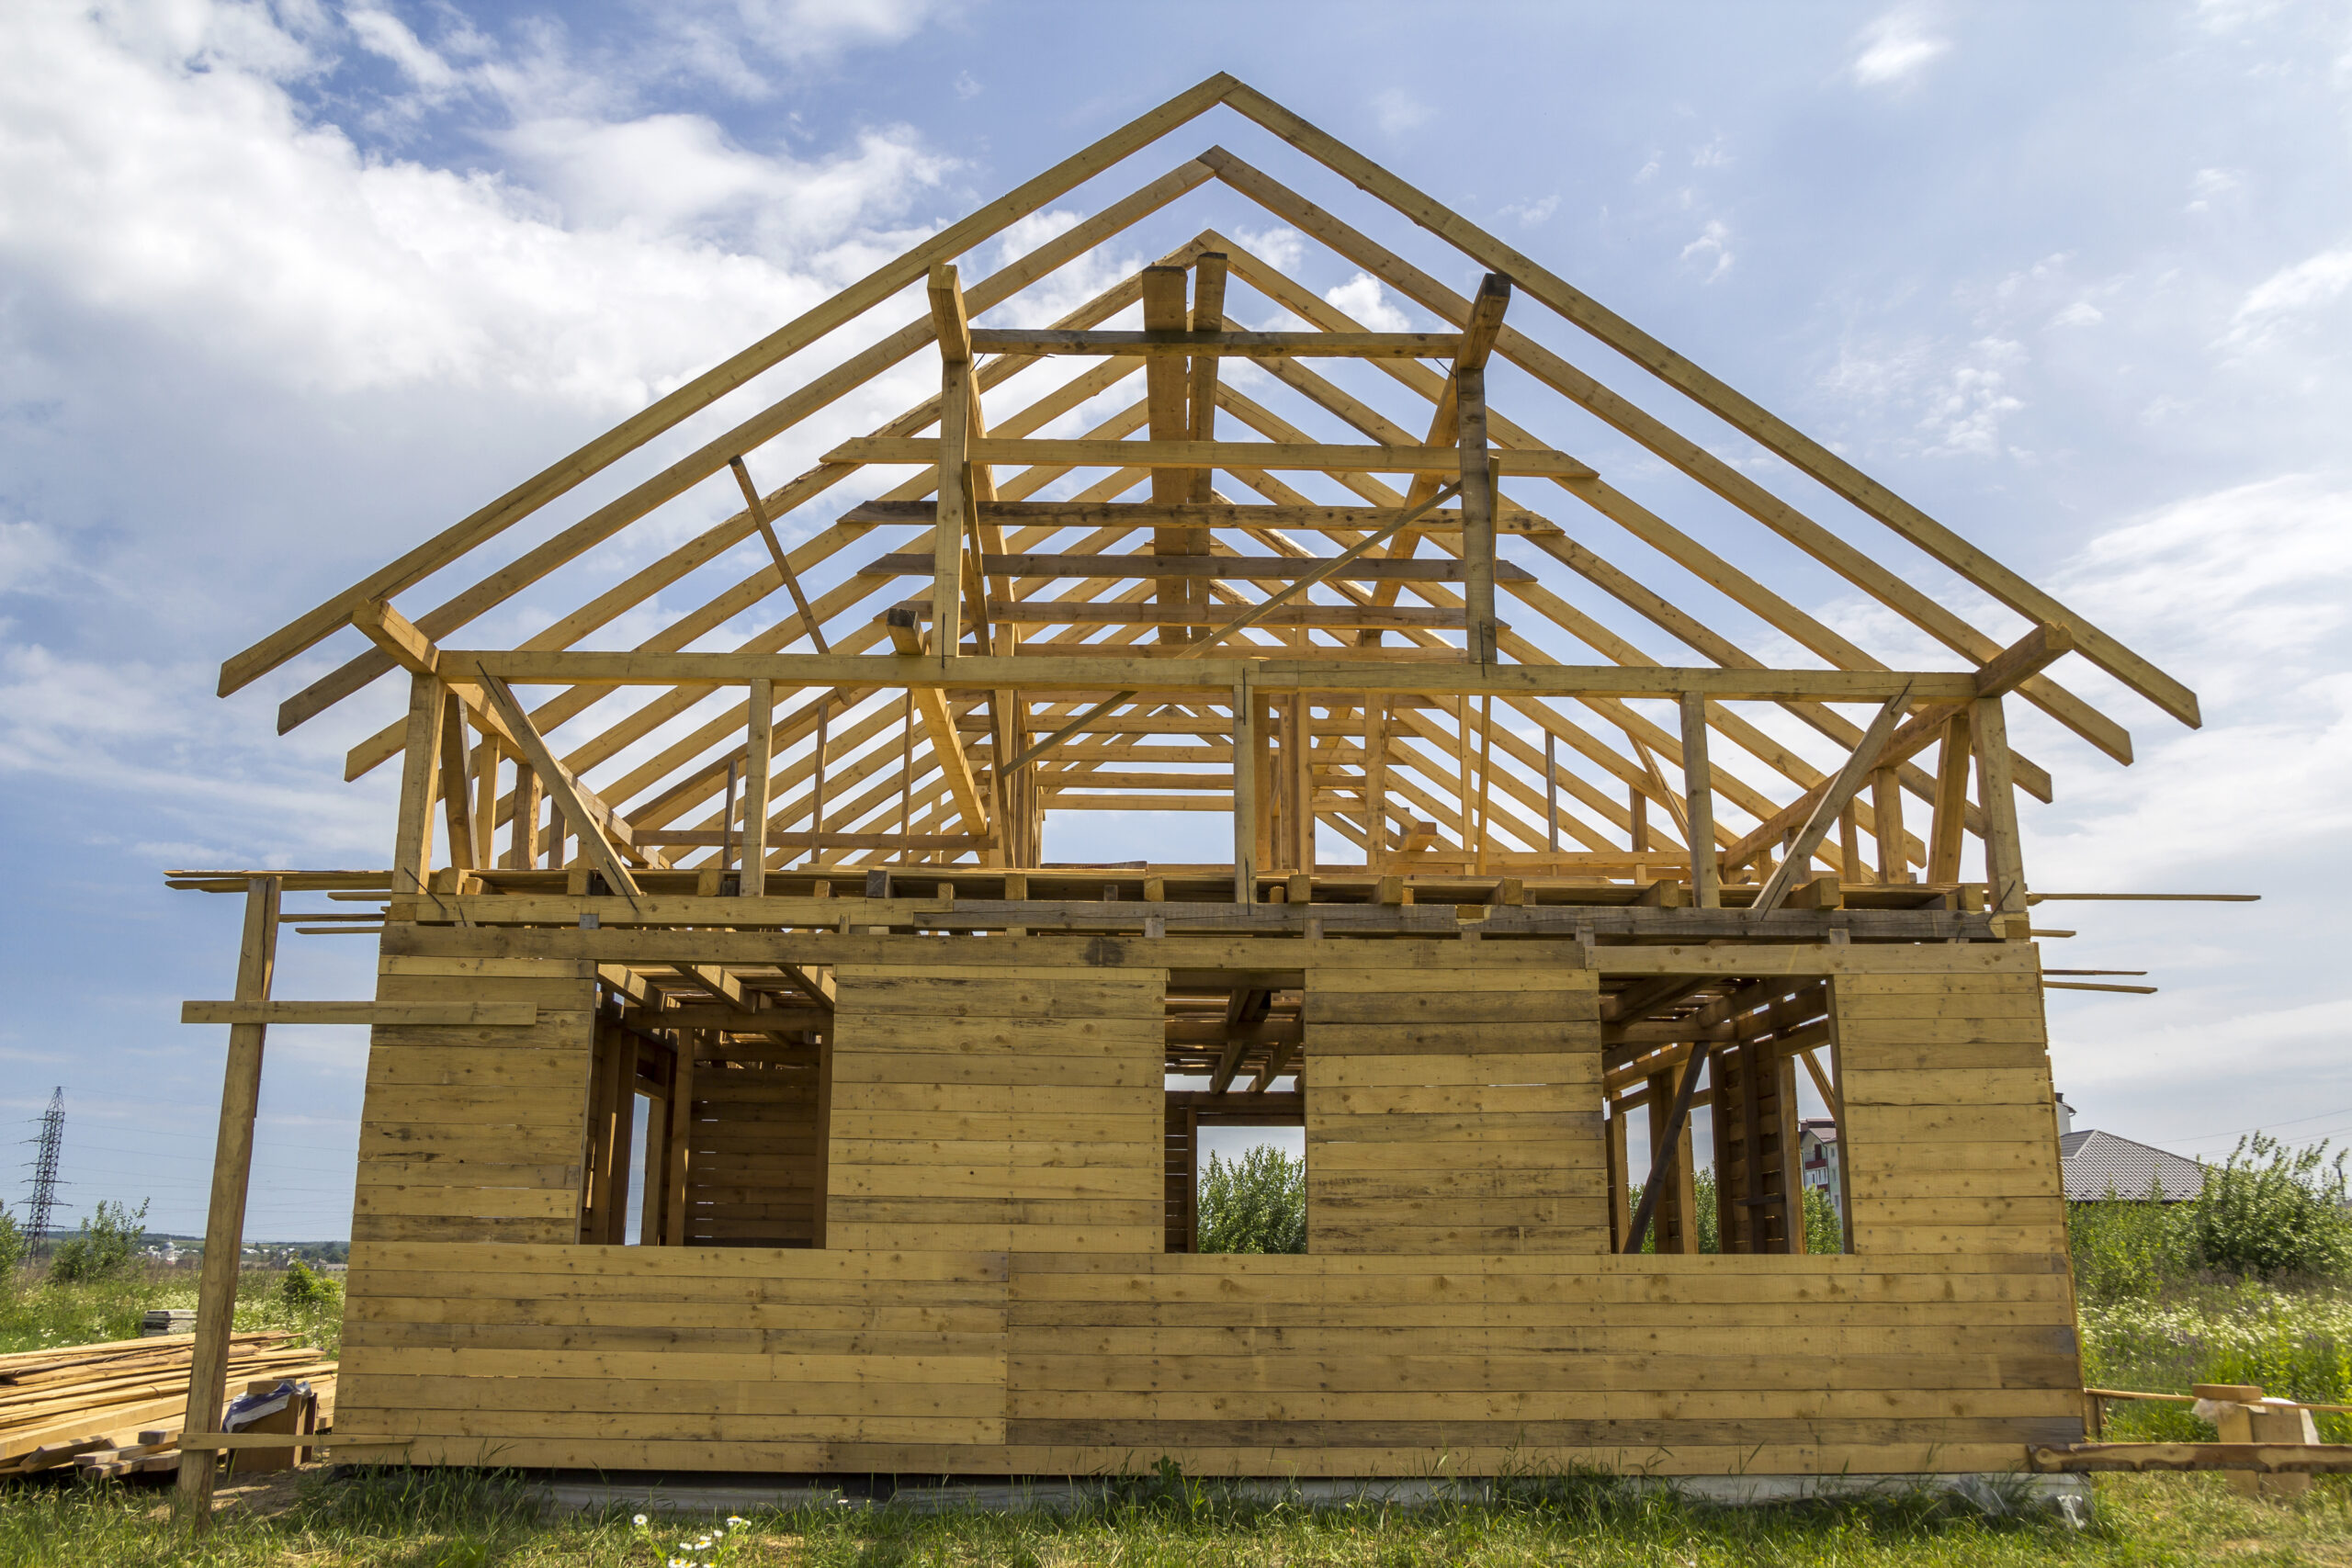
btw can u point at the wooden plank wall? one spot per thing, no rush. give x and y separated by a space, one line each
997 1109
996 1297
753 1143
1950 1140
1453 1111
476 1134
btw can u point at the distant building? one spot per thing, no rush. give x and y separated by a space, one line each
2099 1166
1817 1160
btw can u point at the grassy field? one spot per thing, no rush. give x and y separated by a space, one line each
394 1522
36 1314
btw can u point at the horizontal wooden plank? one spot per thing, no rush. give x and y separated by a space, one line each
480 1014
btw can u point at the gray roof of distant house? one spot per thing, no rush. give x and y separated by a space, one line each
2100 1164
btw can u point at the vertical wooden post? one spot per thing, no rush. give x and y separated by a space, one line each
678 1148
1375 779
1245 792
1699 792
1299 752
420 778
1486 773
1552 793
653 1204
486 801
224 1219
1947 829
457 795
821 1186
1620 1200
759 755
1849 841
1792 1160
1461 797
947 533
1886 826
1997 798
1477 514
522 833
1166 381
816 784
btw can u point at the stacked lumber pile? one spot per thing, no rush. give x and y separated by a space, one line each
118 1408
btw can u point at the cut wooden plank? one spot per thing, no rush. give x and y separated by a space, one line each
488 1014
1246 455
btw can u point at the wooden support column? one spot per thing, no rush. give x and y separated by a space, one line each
653 1204
1886 826
1486 774
1948 826
759 755
456 795
1699 805
678 1161
1208 316
1165 381
485 815
1620 1211
1678 1208
1375 779
420 778
1298 782
224 1220
1477 514
1997 800
1245 792
523 834
1791 1170
954 437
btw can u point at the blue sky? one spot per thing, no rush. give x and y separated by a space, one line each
284 288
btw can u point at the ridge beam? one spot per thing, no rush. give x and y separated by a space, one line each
1210 343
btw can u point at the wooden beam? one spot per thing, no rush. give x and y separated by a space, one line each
1477 514
952 453
589 822
1245 791
2023 659
1062 612
1886 826
1699 805
1946 830
1997 798
1044 667
759 754
1199 344
1222 568
224 1219
366 1014
758 511
1243 454
1165 380
457 792
1130 514
1832 801
420 778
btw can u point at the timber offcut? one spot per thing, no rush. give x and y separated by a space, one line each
748 1091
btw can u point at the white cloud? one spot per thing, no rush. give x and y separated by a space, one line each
1894 49
381 33
967 86
1531 214
2081 313
143 181
2292 291
1396 111
1713 246
1283 247
1363 298
2207 183
1964 419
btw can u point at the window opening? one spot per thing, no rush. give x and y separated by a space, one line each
708 1101
1735 1079
1235 1079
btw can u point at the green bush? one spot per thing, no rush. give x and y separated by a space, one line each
1824 1232
2271 1213
300 1288
1256 1204
12 1245
109 1241
2130 1248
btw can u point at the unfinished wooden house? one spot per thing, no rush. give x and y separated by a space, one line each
750 1092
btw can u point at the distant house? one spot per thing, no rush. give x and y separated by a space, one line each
1817 1159
2099 1166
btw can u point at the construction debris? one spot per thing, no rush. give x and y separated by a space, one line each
118 1408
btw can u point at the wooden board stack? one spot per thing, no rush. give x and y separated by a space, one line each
117 1408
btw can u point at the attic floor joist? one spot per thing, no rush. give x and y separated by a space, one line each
997 590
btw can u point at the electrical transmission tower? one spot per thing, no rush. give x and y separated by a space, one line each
52 1138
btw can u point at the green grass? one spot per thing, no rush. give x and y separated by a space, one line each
456 1521
37 1314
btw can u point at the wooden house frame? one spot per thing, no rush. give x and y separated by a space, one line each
913 1180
